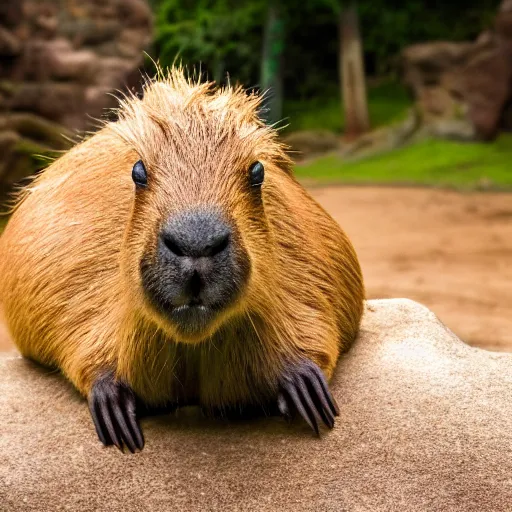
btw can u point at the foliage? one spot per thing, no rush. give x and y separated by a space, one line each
387 30
208 32
432 162
387 102
226 35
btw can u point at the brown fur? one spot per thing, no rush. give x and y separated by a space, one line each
70 254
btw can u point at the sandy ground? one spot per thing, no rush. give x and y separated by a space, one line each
449 251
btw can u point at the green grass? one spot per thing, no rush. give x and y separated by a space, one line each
430 162
386 103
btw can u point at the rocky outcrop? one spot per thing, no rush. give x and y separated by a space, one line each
59 59
308 144
425 424
464 90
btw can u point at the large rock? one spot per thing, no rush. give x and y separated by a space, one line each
24 137
425 424
60 60
464 89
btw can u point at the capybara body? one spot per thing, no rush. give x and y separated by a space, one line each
173 258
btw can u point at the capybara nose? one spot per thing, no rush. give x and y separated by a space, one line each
196 234
197 270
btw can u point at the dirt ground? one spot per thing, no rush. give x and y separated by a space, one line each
449 251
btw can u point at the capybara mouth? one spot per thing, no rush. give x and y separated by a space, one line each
189 316
192 318
194 270
191 302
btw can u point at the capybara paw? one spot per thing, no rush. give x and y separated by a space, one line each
113 410
304 389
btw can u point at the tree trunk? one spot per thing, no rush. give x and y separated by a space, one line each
353 78
271 78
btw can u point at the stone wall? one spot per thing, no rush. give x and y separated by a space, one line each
464 90
59 59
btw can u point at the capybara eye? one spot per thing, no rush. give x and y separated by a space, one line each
257 174
139 174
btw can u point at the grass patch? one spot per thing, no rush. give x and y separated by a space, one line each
430 162
387 103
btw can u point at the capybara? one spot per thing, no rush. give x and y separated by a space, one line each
173 259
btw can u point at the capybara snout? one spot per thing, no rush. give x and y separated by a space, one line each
196 235
199 270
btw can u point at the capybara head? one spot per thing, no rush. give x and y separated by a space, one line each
198 236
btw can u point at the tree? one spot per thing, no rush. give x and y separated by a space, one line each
247 39
353 79
271 77
206 31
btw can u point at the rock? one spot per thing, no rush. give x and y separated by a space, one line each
88 32
11 13
35 128
62 62
9 43
385 138
488 79
454 129
435 73
308 143
23 137
112 70
425 62
130 39
503 24
135 13
463 89
55 101
8 141
58 58
425 424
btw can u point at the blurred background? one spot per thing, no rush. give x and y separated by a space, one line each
411 99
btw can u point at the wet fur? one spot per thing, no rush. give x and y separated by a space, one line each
71 253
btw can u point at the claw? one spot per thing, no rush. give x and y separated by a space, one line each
322 403
302 408
133 424
123 427
303 388
112 406
98 425
105 414
327 393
